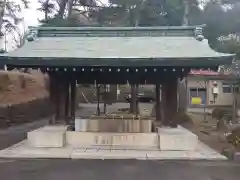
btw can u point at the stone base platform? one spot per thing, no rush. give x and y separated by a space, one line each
22 150
114 140
57 142
47 136
177 139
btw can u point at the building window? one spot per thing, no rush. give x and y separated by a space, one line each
227 88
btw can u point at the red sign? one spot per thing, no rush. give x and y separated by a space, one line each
204 72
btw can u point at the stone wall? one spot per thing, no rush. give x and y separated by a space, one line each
24 112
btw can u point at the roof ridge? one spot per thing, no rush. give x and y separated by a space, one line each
120 28
115 31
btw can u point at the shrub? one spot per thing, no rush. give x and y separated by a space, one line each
234 137
219 113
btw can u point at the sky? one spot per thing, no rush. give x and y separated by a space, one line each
32 15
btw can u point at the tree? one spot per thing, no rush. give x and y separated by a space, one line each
47 7
11 9
2 10
10 17
74 13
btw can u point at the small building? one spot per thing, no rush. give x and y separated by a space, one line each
201 85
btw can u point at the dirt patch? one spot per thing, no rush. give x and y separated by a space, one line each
234 138
206 130
16 87
23 97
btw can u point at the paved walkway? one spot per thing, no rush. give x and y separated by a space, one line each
12 135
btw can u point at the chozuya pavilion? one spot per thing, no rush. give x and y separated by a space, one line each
115 55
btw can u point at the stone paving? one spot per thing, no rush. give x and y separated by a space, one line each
22 150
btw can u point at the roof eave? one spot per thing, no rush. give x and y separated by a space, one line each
131 62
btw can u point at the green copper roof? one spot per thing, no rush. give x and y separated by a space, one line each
155 46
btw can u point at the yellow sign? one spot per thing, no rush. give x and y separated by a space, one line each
196 100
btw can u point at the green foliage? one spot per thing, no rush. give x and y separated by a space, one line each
58 22
47 7
145 13
229 46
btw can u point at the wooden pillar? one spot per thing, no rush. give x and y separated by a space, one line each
157 106
57 100
57 87
137 100
67 83
133 99
105 99
53 95
59 96
234 112
62 96
73 98
98 99
169 90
